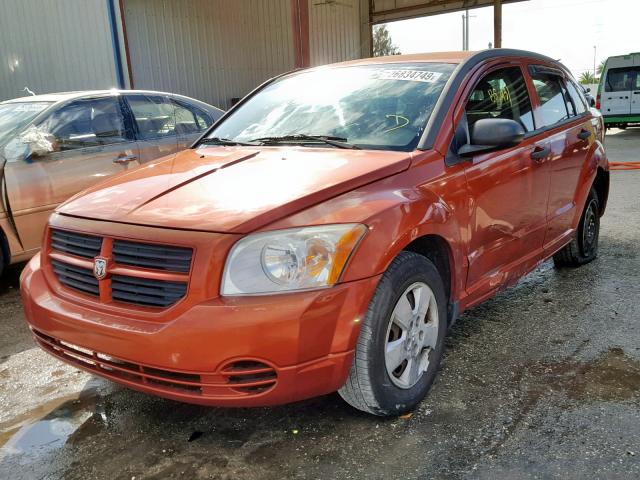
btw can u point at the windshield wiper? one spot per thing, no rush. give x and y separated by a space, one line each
339 142
227 142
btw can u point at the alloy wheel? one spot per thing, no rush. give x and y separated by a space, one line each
412 335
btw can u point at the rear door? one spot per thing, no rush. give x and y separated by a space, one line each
619 87
508 188
191 121
165 125
563 113
91 142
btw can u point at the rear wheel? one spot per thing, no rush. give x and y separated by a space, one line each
584 247
401 341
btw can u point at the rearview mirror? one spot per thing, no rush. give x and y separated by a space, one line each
490 134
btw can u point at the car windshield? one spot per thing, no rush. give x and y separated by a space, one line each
14 116
383 107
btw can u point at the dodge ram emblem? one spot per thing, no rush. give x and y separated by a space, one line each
100 268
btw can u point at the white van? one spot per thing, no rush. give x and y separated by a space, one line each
619 91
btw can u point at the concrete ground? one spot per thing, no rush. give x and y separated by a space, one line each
540 382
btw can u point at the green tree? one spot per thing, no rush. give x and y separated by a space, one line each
382 43
601 67
587 77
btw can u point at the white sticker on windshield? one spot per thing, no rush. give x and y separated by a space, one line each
411 75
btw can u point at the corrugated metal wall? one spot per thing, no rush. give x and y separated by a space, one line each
212 50
334 31
54 45
215 50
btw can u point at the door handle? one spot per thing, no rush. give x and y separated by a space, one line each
540 153
125 159
584 134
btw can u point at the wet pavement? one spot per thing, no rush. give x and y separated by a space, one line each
542 381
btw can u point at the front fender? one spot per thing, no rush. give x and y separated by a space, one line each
398 210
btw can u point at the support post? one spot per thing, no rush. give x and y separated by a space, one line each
366 28
497 23
300 26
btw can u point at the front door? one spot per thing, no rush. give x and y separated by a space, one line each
90 143
508 189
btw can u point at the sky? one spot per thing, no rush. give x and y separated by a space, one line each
562 29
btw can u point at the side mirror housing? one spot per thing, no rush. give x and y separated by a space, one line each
490 134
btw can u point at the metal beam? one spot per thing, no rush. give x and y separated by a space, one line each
497 24
392 10
300 26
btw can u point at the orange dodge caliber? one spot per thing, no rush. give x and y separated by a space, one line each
325 232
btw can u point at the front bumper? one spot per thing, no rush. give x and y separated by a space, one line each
249 351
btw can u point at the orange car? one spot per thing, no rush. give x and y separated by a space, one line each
325 233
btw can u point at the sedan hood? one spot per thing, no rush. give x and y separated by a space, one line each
232 189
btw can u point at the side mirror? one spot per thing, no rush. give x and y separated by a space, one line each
38 142
491 134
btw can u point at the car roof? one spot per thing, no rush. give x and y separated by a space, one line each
455 57
64 96
440 57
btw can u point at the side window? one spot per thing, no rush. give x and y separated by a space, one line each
553 107
501 94
155 116
87 123
199 120
577 97
622 79
567 100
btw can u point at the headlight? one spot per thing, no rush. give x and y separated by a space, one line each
286 260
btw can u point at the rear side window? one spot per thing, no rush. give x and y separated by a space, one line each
553 106
577 97
622 79
501 94
199 121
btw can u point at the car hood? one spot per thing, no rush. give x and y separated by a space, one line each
232 189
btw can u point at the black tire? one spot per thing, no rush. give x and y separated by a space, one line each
584 246
369 387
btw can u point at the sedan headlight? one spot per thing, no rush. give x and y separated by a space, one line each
286 260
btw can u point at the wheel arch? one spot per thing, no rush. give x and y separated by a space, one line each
601 186
4 249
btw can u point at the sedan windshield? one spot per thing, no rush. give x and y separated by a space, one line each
14 116
383 107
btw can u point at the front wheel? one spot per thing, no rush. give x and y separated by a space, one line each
402 339
584 246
